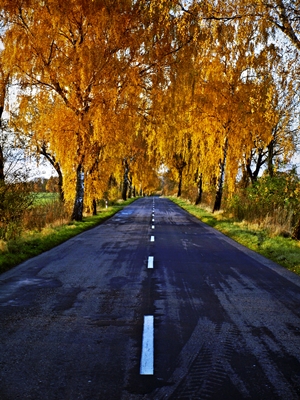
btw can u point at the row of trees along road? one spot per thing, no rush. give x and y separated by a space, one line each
112 90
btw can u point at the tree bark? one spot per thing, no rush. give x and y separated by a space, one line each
200 190
94 207
179 182
270 158
125 179
2 181
130 188
219 192
57 168
2 98
1 165
79 196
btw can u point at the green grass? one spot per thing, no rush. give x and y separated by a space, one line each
284 251
42 198
33 243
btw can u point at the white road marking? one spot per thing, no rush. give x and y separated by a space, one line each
152 219
150 261
147 357
152 239
153 226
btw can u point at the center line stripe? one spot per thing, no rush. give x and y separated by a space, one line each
153 226
152 239
150 261
147 357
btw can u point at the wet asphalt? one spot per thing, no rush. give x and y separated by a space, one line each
226 320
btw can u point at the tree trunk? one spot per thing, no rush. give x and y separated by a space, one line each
60 186
270 158
179 163
56 166
179 183
249 171
1 165
94 207
199 189
125 180
219 193
79 196
2 181
248 174
130 188
245 178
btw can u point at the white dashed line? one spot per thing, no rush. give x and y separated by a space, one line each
150 261
147 357
152 239
153 226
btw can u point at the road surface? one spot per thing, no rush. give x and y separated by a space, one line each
153 304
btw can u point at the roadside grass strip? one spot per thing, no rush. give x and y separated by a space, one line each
147 356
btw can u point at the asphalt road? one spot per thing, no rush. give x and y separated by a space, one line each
153 304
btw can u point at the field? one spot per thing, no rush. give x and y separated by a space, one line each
44 198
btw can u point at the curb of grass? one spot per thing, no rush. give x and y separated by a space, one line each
36 243
281 250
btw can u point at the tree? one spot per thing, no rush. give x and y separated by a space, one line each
87 54
81 52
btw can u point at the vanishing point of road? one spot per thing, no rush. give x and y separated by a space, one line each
152 304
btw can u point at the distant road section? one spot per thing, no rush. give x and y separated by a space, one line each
152 304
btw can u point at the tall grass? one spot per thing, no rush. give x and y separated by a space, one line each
42 214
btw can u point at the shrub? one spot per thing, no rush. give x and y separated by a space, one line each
15 199
272 202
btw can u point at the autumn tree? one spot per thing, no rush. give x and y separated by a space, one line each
82 52
111 89
87 54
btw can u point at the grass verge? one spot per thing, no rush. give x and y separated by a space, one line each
32 243
283 251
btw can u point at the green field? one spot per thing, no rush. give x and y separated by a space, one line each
42 198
